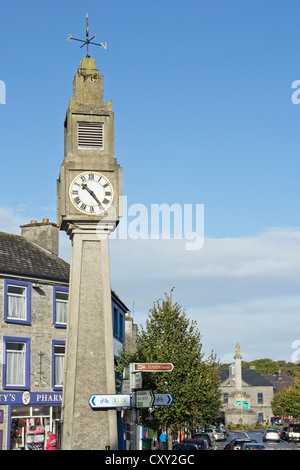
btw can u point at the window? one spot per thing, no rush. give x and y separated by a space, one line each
16 363
60 306
17 302
260 398
58 360
225 398
121 326
90 134
118 324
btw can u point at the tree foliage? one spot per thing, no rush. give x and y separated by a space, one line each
287 402
169 336
268 366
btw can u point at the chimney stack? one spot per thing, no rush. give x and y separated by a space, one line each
43 234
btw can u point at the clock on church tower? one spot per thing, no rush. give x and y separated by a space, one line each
88 199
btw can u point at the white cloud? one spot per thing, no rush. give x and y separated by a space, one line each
10 220
244 289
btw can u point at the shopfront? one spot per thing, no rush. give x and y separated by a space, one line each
29 416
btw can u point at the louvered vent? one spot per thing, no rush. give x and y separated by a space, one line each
90 134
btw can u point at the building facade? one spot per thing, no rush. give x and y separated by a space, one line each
34 300
247 395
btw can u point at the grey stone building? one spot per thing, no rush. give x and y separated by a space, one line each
34 297
246 394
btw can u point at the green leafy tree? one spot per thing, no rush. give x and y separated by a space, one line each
169 336
287 402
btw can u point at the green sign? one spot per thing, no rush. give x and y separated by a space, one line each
244 404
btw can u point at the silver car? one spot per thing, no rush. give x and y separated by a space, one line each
271 435
218 435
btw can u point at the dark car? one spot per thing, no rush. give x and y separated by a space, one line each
203 436
284 433
184 447
236 444
201 444
252 446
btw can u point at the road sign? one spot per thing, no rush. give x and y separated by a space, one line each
162 399
126 387
109 401
137 380
144 399
155 367
243 403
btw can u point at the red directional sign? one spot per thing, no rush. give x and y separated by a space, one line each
155 367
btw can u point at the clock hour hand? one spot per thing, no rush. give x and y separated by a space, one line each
91 193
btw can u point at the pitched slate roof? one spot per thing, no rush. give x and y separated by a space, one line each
23 258
250 376
281 383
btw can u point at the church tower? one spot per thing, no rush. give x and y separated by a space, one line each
88 192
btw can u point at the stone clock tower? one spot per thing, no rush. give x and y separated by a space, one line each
88 199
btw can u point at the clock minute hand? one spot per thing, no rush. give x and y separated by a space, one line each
91 193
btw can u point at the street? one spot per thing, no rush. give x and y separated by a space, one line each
258 436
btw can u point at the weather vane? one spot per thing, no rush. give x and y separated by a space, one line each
87 40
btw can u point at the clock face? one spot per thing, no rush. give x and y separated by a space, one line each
91 193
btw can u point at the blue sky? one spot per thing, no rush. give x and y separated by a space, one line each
201 92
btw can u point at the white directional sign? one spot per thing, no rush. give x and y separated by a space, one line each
110 401
144 399
137 380
162 399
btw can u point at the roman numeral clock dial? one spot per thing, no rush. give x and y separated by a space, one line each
91 193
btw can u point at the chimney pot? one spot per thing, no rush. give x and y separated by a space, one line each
45 221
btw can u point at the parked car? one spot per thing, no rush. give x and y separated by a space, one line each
203 436
218 435
210 430
252 446
201 444
184 447
271 435
236 444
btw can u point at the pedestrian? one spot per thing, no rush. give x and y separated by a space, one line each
51 441
163 440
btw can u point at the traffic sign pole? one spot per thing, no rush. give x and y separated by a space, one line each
134 410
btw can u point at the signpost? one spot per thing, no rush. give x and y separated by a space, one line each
110 401
144 399
139 400
162 399
153 367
